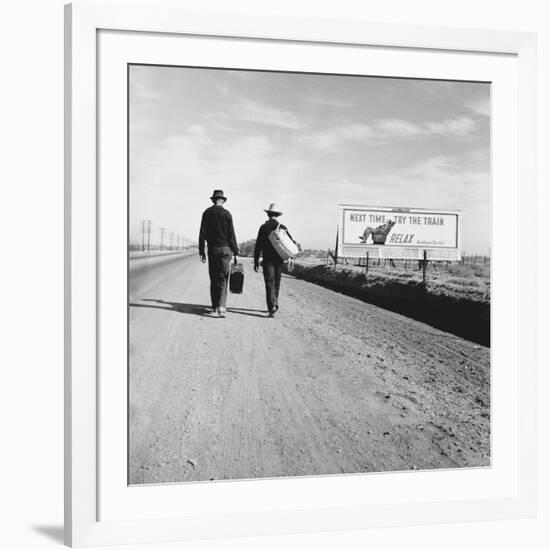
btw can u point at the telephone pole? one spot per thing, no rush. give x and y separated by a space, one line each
162 233
171 240
146 230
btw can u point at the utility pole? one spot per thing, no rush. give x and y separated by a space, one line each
146 230
171 240
179 240
162 233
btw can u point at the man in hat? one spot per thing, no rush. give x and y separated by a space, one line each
272 263
217 230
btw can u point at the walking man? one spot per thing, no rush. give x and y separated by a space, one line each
218 232
272 263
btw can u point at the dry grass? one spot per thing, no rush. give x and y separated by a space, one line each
471 282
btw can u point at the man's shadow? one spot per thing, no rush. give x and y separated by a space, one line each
249 312
178 307
193 309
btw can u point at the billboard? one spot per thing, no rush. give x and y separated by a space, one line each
398 232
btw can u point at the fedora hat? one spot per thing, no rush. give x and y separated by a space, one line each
218 194
272 209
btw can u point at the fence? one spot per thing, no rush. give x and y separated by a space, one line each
418 260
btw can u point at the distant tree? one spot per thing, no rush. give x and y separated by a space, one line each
313 252
247 247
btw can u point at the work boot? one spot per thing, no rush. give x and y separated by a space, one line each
221 312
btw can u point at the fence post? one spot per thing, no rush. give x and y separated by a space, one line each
424 262
367 264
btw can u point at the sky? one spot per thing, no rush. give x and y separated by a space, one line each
306 142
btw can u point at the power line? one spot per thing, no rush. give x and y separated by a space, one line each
176 241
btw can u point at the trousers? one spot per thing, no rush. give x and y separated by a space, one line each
272 278
219 260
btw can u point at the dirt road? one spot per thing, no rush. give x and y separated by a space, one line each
330 385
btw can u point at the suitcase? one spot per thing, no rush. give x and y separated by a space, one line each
283 244
236 278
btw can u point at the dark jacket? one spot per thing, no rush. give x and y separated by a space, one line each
217 229
264 246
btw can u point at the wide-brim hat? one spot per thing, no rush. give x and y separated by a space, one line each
218 194
273 209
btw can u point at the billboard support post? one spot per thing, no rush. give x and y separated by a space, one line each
336 251
367 264
424 262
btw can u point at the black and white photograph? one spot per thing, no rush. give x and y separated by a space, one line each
309 274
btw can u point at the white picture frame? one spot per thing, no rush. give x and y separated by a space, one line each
84 524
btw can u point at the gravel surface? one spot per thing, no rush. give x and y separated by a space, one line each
330 385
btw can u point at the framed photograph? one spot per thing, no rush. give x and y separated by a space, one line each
300 291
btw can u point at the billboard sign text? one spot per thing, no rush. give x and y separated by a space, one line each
361 226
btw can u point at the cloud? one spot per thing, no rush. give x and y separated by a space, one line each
397 128
141 89
223 88
259 113
199 133
329 102
244 156
334 136
389 129
458 127
436 182
480 107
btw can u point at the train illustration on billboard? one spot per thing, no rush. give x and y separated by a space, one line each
398 232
